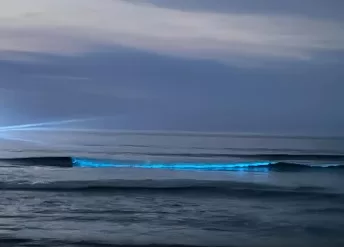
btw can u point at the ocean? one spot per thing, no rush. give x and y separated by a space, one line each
170 189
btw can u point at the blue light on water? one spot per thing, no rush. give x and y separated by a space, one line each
77 162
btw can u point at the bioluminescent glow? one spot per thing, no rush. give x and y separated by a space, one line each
77 162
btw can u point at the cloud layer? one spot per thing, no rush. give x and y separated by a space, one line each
69 26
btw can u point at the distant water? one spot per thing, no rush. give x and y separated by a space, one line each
132 189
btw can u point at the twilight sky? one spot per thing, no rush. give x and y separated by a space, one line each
203 65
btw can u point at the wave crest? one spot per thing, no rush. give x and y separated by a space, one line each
269 163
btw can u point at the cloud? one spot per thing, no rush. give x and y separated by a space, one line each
326 9
72 26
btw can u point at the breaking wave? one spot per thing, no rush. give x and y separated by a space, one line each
39 161
253 162
193 186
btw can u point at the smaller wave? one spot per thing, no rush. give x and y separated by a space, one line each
147 184
199 187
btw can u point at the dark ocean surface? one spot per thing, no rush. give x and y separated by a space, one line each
158 189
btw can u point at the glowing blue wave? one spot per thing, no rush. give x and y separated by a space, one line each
175 166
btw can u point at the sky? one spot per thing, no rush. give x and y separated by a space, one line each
265 66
